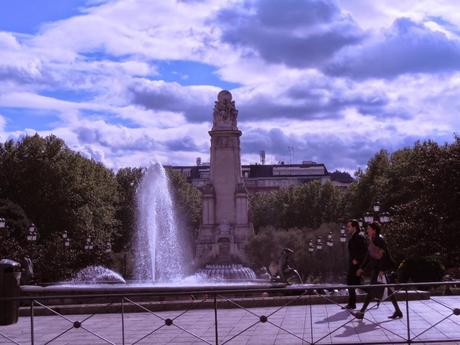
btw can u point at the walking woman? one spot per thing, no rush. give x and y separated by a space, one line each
379 261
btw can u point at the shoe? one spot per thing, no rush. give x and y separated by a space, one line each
349 306
396 315
358 314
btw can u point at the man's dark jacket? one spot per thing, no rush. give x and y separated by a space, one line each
357 250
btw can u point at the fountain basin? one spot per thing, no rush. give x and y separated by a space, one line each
108 299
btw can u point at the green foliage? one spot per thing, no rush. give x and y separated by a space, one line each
308 205
265 247
128 180
187 201
421 269
421 188
59 190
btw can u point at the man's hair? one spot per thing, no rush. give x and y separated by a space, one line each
354 223
376 226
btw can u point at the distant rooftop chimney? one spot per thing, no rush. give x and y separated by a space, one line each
198 161
308 162
262 157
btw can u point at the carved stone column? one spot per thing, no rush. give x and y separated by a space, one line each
225 201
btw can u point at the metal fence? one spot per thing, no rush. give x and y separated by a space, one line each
309 315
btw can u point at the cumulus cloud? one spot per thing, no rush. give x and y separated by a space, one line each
195 102
406 47
308 77
334 152
15 63
299 33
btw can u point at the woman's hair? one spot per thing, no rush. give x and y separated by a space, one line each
354 223
376 226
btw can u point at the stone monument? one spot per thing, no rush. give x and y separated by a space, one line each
225 227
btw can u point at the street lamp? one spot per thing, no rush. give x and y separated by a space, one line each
65 237
329 241
319 243
108 247
89 243
33 233
368 217
343 236
311 247
2 223
383 217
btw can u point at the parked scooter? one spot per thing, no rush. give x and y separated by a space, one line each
285 273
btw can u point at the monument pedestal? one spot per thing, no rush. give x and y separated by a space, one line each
225 228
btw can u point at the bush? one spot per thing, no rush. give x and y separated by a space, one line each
421 269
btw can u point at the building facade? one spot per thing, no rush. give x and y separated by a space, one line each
269 177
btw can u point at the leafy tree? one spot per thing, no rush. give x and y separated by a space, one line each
308 205
128 180
420 185
60 190
187 201
264 248
13 236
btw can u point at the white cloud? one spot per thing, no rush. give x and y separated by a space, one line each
94 71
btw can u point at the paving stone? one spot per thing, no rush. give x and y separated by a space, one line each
329 321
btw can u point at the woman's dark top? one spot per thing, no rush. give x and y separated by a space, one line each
385 263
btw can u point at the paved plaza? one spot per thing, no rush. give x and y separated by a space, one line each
322 324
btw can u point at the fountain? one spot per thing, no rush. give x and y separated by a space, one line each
225 230
160 264
97 275
159 254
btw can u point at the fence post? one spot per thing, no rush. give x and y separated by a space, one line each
215 319
407 315
32 322
123 320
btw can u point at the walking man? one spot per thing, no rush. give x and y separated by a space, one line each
357 249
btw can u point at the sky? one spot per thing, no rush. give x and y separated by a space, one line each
133 81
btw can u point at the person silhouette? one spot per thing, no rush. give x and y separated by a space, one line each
379 260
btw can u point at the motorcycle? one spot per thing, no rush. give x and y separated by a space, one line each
285 273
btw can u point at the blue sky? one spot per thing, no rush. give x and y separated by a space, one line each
128 82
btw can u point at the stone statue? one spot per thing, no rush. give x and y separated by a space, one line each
225 112
27 269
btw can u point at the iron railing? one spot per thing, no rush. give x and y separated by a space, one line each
297 318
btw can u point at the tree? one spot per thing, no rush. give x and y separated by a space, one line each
60 190
13 236
128 180
421 187
308 205
187 200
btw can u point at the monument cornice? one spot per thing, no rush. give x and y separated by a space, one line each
225 132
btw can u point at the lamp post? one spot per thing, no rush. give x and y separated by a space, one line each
319 250
319 243
377 215
331 259
2 223
311 247
89 243
108 247
330 241
65 237
343 235
32 235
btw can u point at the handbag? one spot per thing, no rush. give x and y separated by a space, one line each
374 251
